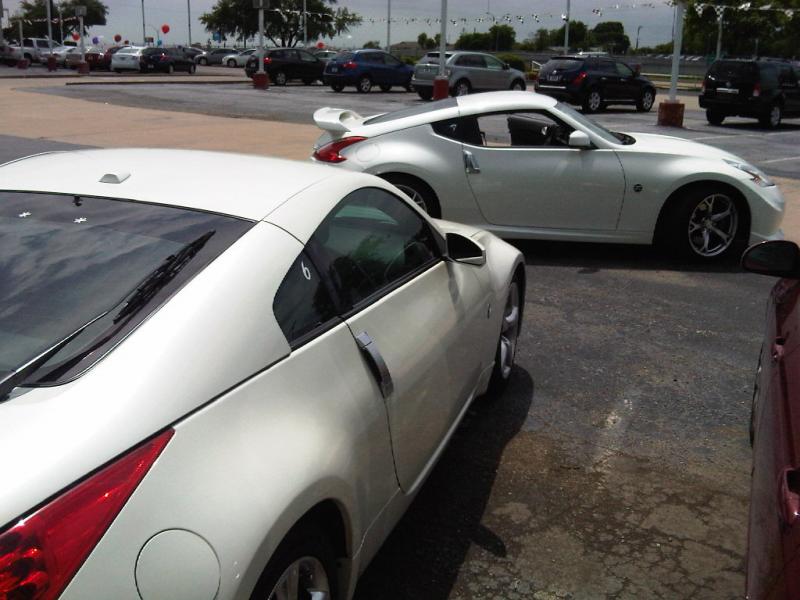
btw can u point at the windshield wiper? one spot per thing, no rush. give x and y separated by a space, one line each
13 379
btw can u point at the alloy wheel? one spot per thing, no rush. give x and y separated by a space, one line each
364 85
304 579
414 195
775 116
462 88
509 331
647 101
712 225
594 101
280 78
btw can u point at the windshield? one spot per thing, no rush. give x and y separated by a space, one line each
595 128
129 51
64 260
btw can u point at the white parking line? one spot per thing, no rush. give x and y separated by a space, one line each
774 160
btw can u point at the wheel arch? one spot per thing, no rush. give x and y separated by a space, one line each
386 175
738 197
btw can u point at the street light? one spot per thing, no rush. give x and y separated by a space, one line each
638 29
144 32
189 17
80 12
389 26
440 83
260 77
566 31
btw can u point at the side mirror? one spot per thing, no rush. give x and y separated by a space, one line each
579 139
464 250
637 70
506 67
778 258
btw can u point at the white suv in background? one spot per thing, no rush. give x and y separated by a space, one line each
127 59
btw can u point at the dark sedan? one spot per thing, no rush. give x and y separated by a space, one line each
166 60
285 64
774 534
365 68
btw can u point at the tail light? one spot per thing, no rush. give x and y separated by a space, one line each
580 77
41 553
349 65
164 58
330 152
756 90
267 60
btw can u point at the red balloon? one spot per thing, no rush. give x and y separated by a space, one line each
165 28
76 36
320 45
118 38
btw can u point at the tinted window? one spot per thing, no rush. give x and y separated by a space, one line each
462 129
624 70
433 57
66 260
769 76
391 60
302 304
733 69
415 110
306 57
371 241
607 66
564 64
493 63
344 57
471 60
375 58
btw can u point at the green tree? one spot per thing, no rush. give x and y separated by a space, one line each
474 41
610 35
375 44
502 37
283 22
578 36
35 11
428 43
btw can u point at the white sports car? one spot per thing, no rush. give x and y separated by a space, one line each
522 165
208 390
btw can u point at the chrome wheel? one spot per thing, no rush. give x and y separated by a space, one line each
594 101
509 331
414 195
712 225
775 116
280 78
364 85
304 579
462 88
647 101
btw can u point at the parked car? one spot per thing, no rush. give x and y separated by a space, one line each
72 57
466 72
285 64
34 48
774 530
594 82
323 55
127 59
98 58
366 68
10 54
166 60
237 59
525 166
199 422
192 52
214 56
59 52
763 90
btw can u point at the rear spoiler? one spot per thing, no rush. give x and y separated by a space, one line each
336 120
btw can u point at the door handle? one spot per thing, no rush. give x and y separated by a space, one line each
376 363
470 162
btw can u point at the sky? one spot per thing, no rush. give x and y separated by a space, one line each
654 18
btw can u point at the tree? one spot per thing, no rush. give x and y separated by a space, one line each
611 36
474 41
428 43
502 37
283 22
35 11
374 44
578 36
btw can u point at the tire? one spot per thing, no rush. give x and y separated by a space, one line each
280 78
419 191
705 224
203 61
646 100
232 63
772 118
593 102
518 85
192 69
170 69
386 88
462 87
508 341
425 93
312 550
337 87
364 85
714 117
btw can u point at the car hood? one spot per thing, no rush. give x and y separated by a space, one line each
667 144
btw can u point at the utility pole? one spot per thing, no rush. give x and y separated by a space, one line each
60 23
566 32
305 27
189 16
441 85
1 24
680 8
49 25
260 77
720 10
144 31
638 29
389 26
80 12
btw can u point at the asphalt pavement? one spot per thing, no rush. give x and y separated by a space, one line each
617 463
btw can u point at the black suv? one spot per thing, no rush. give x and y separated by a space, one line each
595 82
760 89
283 64
166 60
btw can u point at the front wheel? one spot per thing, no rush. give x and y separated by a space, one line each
364 85
461 88
425 93
593 102
772 118
645 102
714 117
507 344
280 78
232 63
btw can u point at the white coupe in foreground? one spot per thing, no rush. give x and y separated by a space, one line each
523 165
213 390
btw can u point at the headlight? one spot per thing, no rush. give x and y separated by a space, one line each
756 174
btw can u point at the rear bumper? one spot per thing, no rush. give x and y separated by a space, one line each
559 92
748 107
339 78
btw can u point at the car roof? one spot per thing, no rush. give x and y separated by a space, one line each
507 100
226 183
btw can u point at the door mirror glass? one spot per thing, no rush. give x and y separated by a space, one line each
778 258
579 139
464 250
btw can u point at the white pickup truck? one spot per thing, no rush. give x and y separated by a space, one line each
9 55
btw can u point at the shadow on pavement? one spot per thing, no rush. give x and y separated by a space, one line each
422 557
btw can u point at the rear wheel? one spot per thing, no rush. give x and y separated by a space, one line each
714 117
507 344
772 118
419 191
364 85
280 78
461 88
425 93
646 100
337 87
232 62
203 61
386 88
593 102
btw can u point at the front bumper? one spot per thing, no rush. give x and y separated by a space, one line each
767 208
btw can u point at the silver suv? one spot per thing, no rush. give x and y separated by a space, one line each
466 72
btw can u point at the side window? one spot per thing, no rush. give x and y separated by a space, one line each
462 129
306 57
302 304
769 76
278 54
532 129
44 44
606 66
786 76
27 43
375 58
371 241
390 60
493 63
624 70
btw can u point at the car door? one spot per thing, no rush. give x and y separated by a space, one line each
395 70
527 175
496 74
419 320
377 67
473 67
626 85
787 79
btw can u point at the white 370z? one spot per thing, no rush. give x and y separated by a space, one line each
211 392
522 165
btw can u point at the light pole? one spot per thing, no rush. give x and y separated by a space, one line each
720 10
49 25
638 29
389 26
80 12
144 32
3 11
260 77
441 85
670 112
189 16
305 27
566 32
60 23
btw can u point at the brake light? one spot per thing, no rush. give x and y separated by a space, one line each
330 152
41 553
164 58
349 65
756 90
267 60
580 77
